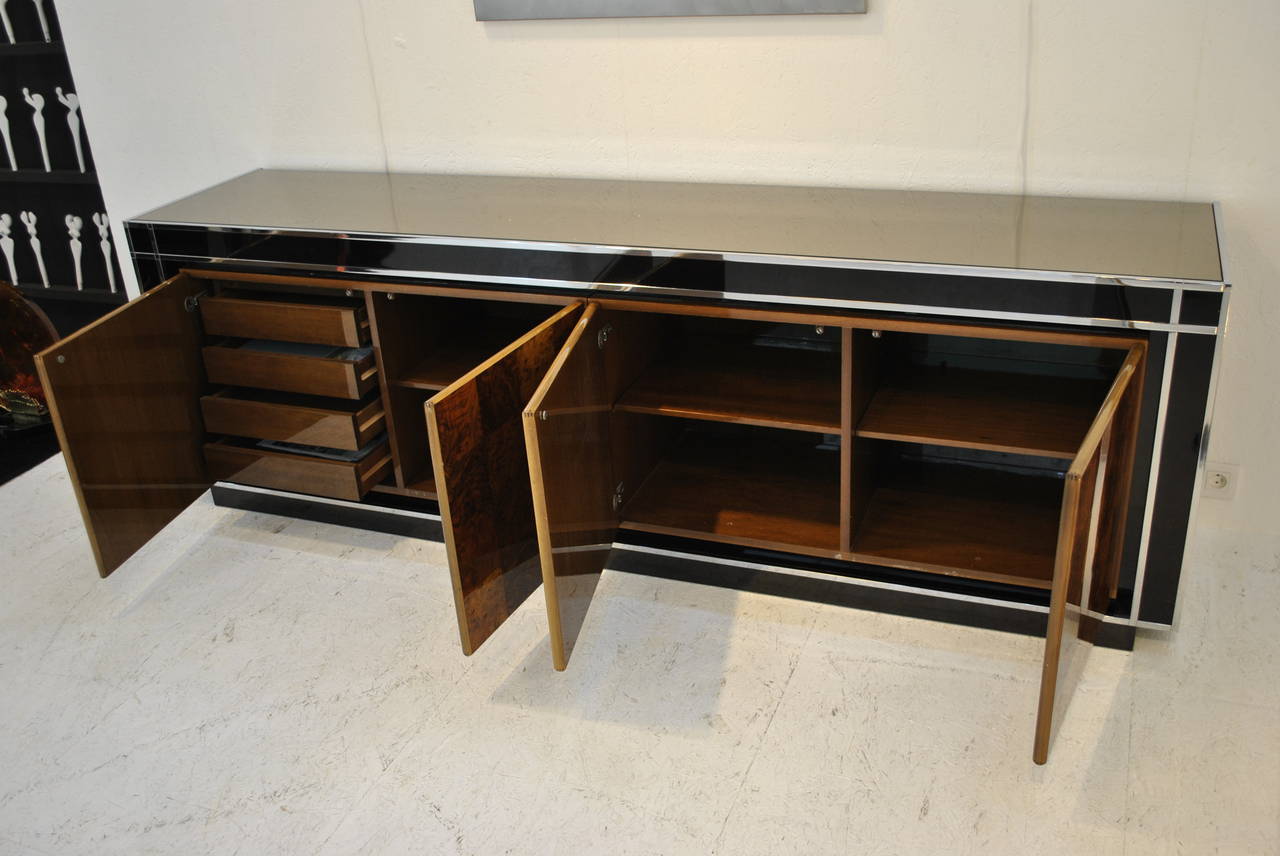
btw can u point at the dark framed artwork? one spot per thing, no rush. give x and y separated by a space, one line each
518 10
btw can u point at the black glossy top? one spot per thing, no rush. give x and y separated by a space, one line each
889 229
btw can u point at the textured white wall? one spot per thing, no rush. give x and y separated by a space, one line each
1147 98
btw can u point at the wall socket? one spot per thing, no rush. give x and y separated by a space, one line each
1220 480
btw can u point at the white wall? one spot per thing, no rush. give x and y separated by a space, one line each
1148 98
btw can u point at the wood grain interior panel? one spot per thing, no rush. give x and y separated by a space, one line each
413 449
745 384
861 361
998 411
963 521
482 477
380 319
759 490
332 422
313 318
124 397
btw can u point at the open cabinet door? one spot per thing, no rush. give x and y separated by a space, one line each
567 430
1089 544
124 395
482 479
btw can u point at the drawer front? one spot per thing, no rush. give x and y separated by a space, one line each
285 321
297 473
307 375
336 428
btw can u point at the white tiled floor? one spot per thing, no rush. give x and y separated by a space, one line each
257 685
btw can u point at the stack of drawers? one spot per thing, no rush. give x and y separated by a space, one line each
299 407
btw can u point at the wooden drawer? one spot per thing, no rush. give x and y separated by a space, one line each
251 364
247 464
335 423
319 320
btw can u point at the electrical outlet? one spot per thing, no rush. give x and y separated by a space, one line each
1220 480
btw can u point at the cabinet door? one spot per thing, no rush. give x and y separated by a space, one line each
124 394
1089 544
482 478
567 430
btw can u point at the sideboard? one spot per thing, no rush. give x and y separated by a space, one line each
982 409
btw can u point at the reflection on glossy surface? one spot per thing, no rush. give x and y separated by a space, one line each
124 395
1169 240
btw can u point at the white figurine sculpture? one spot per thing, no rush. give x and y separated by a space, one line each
8 25
74 225
4 132
104 232
28 219
6 246
72 102
36 100
44 22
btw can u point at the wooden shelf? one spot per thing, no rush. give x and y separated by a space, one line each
763 491
1022 414
457 355
749 385
965 522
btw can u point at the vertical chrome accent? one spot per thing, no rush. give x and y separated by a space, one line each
1157 450
1202 454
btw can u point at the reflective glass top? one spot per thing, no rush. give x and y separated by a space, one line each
1159 240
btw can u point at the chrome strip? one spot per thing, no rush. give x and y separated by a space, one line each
324 500
820 575
1157 451
802 572
1202 454
742 297
748 258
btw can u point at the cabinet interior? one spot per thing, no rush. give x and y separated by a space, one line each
934 452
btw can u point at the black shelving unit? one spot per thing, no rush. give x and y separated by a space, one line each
41 66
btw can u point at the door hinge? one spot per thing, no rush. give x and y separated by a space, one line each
617 497
602 336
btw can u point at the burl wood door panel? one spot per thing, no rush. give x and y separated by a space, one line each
124 394
482 478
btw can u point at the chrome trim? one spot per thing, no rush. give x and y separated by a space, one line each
1202 454
1157 454
324 500
876 584
820 575
1151 625
741 297
1077 277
